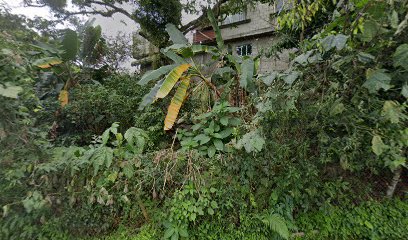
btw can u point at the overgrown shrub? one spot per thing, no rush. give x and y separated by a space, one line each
370 220
94 107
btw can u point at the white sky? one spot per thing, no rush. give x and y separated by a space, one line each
110 26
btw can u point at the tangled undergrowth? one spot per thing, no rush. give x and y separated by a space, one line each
316 152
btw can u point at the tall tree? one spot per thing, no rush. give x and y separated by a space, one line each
152 15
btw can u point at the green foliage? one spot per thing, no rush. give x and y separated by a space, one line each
321 139
212 131
154 15
182 53
70 45
276 223
92 48
95 106
251 141
371 220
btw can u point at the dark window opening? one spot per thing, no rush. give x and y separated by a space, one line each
244 50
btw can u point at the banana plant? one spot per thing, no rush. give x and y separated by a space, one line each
184 72
73 52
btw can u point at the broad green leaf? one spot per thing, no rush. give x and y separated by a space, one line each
334 41
302 59
176 103
202 48
202 138
102 156
269 78
113 176
47 62
214 24
128 170
247 74
171 80
70 45
63 97
92 36
151 96
394 19
136 138
173 56
186 52
193 216
224 121
47 47
291 77
176 47
169 232
175 236
400 56
223 70
337 108
391 111
210 211
377 145
365 57
370 30
225 133
234 121
6 209
183 232
403 24
152 75
176 36
219 145
235 60
404 91
211 151
252 142
376 80
9 90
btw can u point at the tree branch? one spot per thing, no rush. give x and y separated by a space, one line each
198 21
111 9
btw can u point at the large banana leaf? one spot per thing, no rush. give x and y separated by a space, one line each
63 97
70 45
155 74
173 56
246 78
176 103
171 80
151 96
47 62
214 24
176 36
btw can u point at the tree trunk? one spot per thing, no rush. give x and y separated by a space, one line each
394 182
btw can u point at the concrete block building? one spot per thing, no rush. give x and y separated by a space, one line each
250 32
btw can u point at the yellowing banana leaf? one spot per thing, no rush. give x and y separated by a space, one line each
155 74
63 97
47 62
171 80
176 103
151 96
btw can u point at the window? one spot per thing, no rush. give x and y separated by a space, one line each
238 17
244 50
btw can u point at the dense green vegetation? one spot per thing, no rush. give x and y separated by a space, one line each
319 151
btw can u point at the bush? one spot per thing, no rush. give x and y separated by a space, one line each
370 220
94 107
